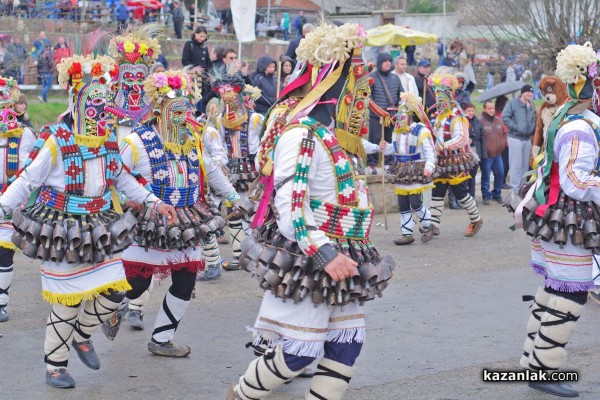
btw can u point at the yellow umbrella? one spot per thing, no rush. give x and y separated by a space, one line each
397 36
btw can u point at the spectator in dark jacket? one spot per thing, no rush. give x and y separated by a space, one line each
21 110
287 67
46 71
20 54
266 81
291 51
178 19
423 71
385 92
462 96
195 51
478 143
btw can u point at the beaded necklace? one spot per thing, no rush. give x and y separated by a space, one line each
165 184
346 192
12 156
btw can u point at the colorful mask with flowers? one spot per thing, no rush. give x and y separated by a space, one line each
230 91
88 81
135 53
9 93
577 66
332 68
410 105
172 96
444 86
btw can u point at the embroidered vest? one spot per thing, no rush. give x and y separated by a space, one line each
178 193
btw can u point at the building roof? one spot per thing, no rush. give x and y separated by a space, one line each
306 5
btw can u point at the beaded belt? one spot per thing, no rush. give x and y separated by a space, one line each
71 204
177 196
407 158
342 221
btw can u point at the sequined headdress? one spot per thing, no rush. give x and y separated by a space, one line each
230 90
409 104
327 56
135 52
9 93
444 83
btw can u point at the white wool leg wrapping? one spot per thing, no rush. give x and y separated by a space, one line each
94 313
424 216
330 382
6 274
237 235
59 329
533 324
139 303
211 253
437 208
407 223
468 203
557 326
167 320
264 374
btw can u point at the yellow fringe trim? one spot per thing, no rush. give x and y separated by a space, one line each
116 202
135 154
12 133
91 141
452 181
52 148
406 192
73 299
180 149
351 143
7 245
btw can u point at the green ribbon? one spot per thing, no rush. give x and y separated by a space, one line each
540 195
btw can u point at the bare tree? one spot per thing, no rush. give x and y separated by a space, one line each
538 27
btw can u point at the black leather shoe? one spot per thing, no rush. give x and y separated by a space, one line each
60 378
87 354
561 389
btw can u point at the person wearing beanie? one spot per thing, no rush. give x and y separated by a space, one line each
566 184
519 117
385 92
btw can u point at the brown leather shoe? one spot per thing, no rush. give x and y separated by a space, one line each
427 234
405 239
473 228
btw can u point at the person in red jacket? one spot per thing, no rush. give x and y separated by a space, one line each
496 141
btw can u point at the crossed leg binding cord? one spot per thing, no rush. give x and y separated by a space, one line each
168 318
6 274
533 324
94 314
557 326
237 235
59 329
407 222
263 375
424 216
468 203
437 208
330 382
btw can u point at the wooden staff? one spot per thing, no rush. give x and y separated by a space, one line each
278 78
382 165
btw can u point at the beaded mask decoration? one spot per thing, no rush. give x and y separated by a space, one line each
444 86
9 92
410 105
229 88
135 53
323 57
88 81
172 95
